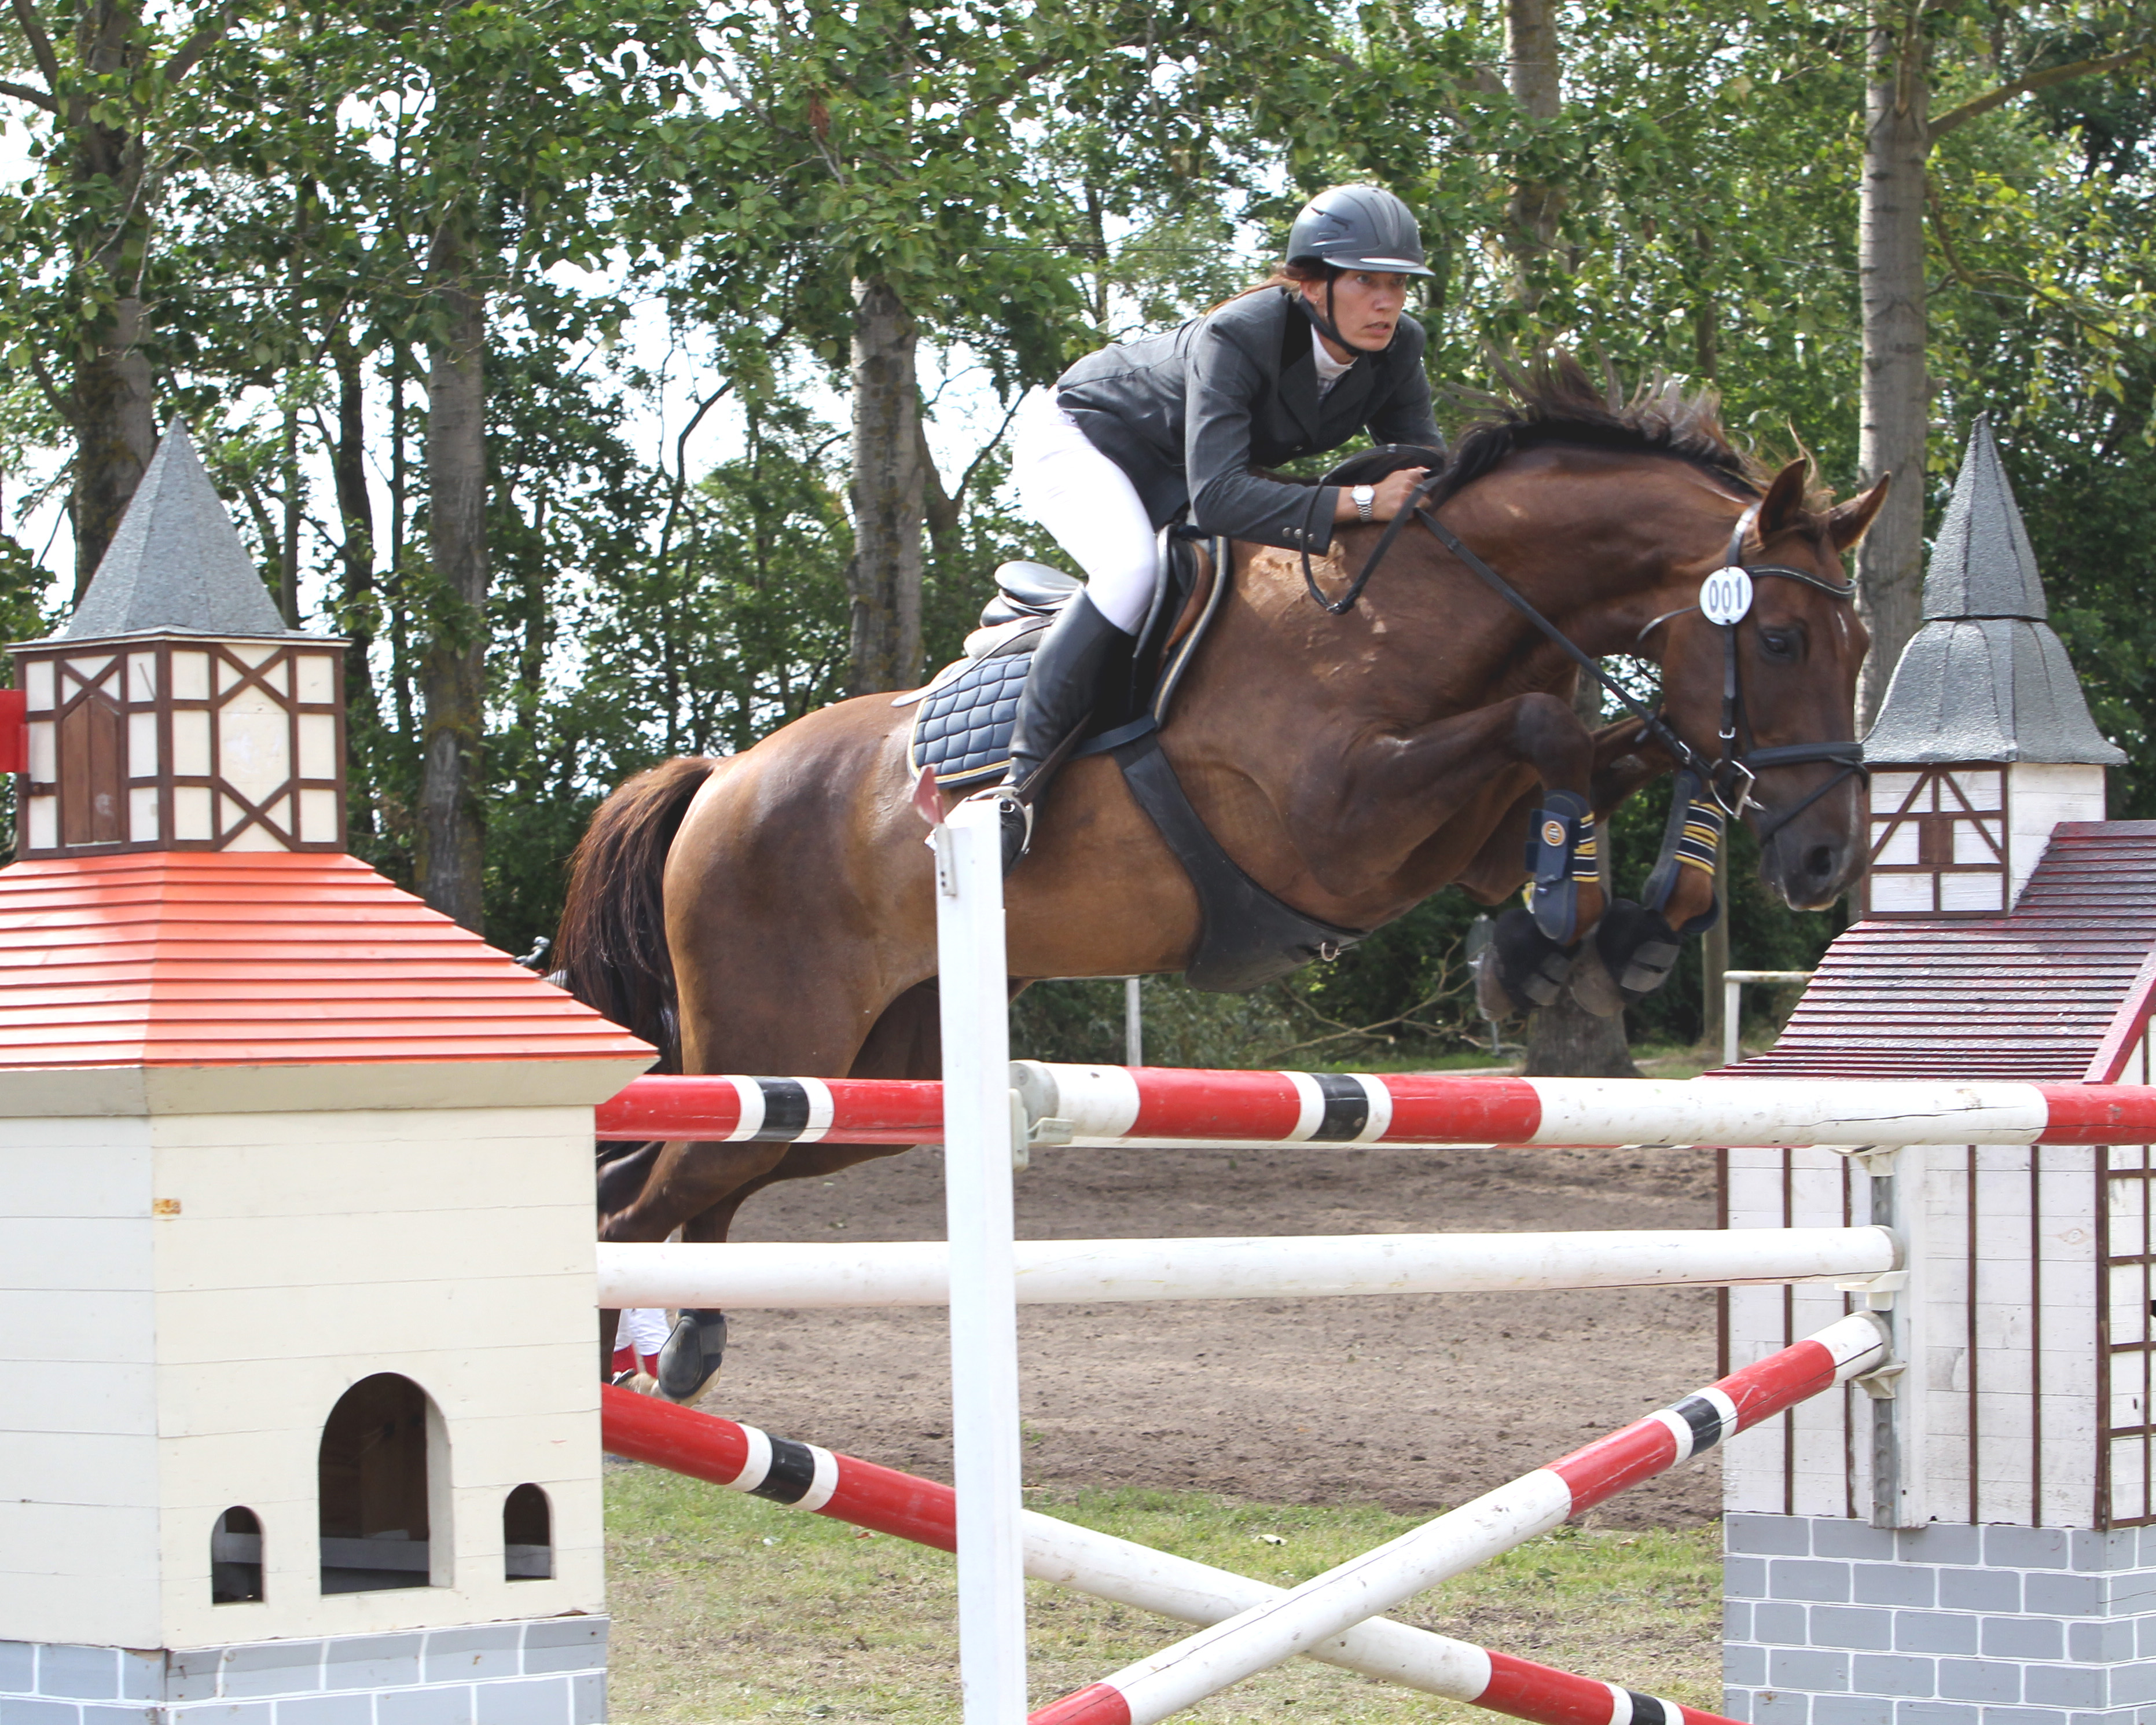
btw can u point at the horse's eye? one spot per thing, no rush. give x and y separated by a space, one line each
1779 643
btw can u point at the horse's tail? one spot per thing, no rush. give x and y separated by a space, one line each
611 944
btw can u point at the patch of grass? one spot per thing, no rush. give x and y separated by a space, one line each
726 1607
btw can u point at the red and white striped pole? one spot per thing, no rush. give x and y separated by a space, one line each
709 1448
1264 1635
1163 1105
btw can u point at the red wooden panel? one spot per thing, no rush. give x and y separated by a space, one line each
205 959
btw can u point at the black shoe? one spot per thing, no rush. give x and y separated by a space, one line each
692 1355
1057 700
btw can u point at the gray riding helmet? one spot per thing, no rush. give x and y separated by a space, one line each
1358 228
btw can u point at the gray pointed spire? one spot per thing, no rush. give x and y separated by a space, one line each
1982 563
176 562
1986 679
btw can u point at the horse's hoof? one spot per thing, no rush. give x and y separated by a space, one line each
1592 985
692 1355
1521 968
1638 949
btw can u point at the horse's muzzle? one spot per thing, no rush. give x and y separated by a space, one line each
1810 869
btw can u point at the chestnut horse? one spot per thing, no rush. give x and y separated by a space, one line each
774 912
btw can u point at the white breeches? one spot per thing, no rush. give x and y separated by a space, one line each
1089 504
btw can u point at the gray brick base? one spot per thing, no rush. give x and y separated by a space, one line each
1830 1622
543 1671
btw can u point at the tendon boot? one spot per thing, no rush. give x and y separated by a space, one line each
692 1354
1562 857
1052 708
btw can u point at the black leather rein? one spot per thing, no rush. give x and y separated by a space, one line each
1730 778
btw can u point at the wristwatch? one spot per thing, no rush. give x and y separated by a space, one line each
1366 501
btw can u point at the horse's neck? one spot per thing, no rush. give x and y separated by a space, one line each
1592 550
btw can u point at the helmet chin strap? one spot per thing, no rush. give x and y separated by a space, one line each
1322 321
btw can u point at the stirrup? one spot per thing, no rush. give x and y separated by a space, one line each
1015 816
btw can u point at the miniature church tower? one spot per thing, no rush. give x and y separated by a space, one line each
1971 1538
1984 742
299 1417
176 711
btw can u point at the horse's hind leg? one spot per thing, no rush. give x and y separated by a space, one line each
905 1043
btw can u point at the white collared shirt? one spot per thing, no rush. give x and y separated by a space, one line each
1330 370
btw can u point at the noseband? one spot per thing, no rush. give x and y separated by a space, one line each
1729 777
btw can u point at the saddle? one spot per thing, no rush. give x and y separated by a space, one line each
963 730
963 727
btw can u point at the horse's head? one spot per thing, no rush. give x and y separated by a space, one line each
1797 652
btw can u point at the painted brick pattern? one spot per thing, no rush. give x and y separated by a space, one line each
547 1670
1830 1622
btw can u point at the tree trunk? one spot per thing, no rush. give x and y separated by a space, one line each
1896 399
1565 1039
116 434
357 604
110 395
453 667
883 579
1531 71
1714 964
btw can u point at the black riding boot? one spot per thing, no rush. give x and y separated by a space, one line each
1057 698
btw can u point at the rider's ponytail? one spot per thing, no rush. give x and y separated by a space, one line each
1284 276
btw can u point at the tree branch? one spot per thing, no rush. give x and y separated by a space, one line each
41 44
2034 81
200 40
24 93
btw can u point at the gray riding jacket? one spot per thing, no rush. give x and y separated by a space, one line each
1187 415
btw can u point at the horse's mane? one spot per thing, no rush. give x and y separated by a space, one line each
1551 400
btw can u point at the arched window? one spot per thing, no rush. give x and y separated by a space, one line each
372 1474
527 1535
235 1558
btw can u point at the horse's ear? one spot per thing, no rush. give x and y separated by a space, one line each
1848 522
1784 502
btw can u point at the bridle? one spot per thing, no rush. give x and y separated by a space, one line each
1729 777
1740 765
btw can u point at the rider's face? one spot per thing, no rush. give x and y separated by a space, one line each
1366 306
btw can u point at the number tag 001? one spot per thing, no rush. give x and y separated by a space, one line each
1725 596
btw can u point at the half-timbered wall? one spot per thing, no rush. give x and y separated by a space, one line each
2013 1349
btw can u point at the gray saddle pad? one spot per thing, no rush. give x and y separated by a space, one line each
962 728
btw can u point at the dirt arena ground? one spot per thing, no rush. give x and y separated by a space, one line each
1413 1402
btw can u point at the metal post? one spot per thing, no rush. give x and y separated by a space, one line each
1133 1025
977 1151
1900 1407
1733 984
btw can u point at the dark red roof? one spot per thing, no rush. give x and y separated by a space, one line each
2044 993
213 958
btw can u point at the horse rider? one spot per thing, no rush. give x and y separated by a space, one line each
1139 435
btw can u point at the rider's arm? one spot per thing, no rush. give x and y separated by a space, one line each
1223 379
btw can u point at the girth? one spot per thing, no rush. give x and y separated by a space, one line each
1246 936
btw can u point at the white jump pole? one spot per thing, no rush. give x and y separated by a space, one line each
1279 1628
1301 1267
977 1117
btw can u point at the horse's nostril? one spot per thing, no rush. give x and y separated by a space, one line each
1819 861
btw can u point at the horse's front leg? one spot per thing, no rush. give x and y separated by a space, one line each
1394 791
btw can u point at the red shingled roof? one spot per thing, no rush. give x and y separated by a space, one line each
194 959
2032 995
